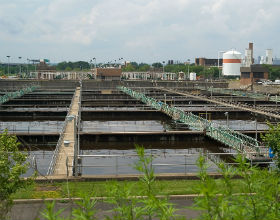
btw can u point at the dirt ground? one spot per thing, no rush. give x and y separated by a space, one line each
271 89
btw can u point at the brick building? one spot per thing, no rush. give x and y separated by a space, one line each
252 74
108 74
208 62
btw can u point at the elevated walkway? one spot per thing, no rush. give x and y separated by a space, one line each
244 144
67 143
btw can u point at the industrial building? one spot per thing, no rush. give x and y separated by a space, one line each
108 74
252 74
208 62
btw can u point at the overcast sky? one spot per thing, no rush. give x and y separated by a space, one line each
137 30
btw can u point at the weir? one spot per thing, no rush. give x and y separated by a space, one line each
244 144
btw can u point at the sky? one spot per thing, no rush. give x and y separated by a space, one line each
135 30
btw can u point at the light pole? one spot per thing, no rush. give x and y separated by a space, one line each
94 61
19 66
219 62
226 114
8 65
163 62
256 127
90 64
189 68
27 66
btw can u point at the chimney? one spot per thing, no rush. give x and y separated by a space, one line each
251 47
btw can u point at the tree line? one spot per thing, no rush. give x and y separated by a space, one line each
205 72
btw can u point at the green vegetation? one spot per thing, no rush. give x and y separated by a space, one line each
100 188
15 70
75 66
12 166
272 140
258 197
274 72
204 72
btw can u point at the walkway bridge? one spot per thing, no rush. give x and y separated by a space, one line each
68 143
244 144
12 95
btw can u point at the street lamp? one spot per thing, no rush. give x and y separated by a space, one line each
219 62
189 68
256 128
8 65
27 66
19 66
226 114
94 60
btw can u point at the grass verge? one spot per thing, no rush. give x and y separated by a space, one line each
101 188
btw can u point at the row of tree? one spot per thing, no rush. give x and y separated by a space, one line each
206 72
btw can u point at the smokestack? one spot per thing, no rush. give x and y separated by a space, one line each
251 47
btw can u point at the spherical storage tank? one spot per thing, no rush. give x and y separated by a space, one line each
231 63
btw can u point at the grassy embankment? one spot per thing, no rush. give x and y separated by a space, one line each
100 188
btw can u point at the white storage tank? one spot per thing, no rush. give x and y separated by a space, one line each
192 76
231 63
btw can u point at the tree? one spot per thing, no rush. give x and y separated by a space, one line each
257 198
12 166
144 67
129 68
157 65
272 140
274 72
135 65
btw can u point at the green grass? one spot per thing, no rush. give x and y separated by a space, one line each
101 188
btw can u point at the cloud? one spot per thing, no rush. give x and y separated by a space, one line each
144 29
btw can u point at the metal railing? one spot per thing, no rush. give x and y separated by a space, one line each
237 140
59 142
171 162
19 127
12 95
76 170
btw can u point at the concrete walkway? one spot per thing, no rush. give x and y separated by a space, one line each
69 135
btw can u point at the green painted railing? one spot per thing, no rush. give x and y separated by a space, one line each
12 95
231 138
